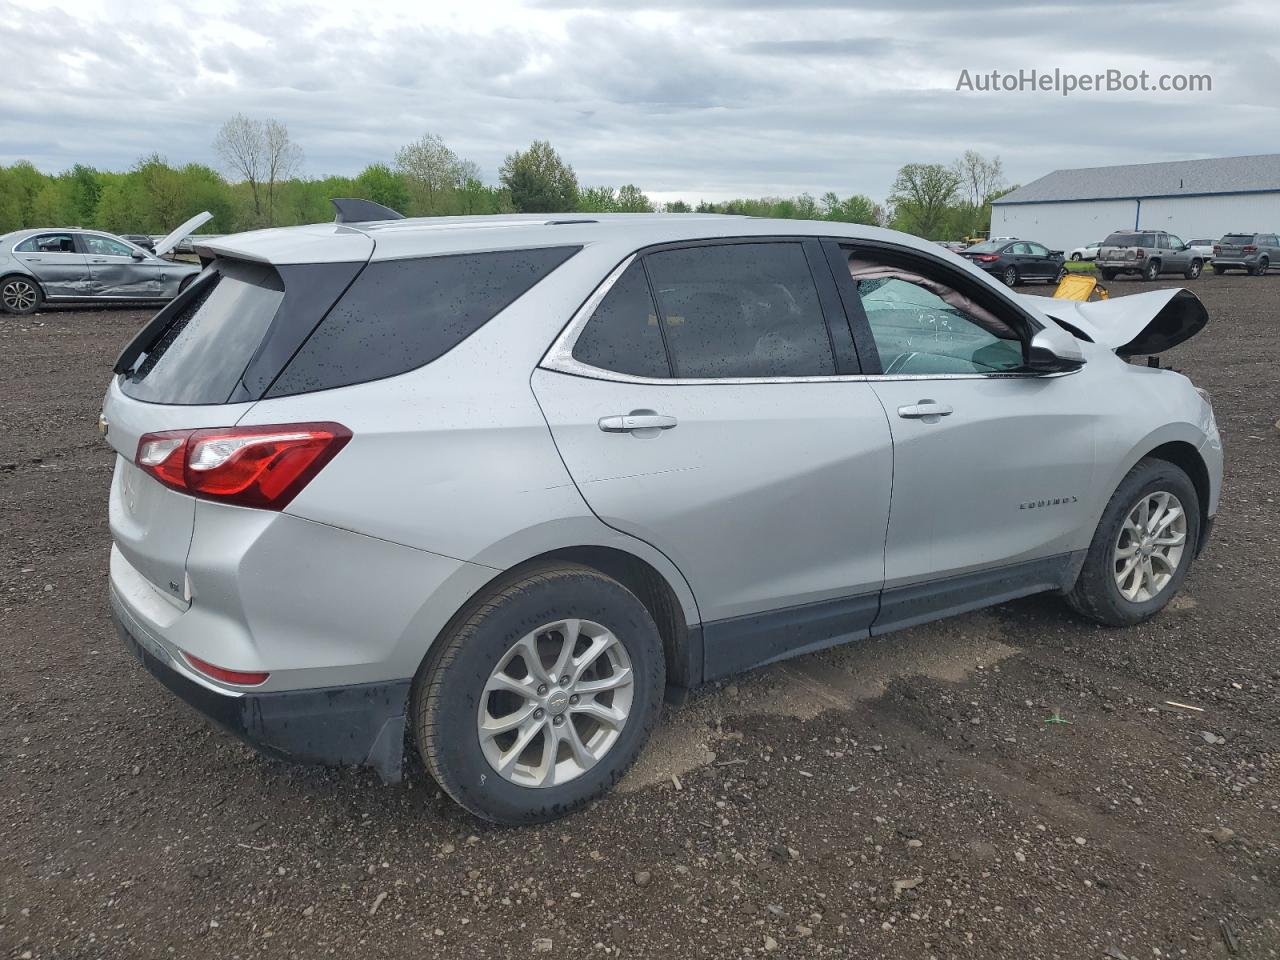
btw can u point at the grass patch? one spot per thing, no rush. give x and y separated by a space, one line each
1080 266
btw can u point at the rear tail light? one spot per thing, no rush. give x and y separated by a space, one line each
244 678
263 467
1250 248
988 258
1217 249
1139 254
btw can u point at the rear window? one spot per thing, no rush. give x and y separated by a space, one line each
206 346
1238 238
401 314
987 246
1130 240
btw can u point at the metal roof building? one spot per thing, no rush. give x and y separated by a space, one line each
1194 199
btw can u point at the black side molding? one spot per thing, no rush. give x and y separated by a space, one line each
351 210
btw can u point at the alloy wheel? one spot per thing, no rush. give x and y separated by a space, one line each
1011 277
1149 548
556 703
18 295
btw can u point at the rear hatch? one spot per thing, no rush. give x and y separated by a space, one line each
1125 246
203 361
1235 246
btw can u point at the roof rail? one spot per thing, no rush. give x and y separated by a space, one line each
562 223
351 210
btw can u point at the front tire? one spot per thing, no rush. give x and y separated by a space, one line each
540 698
1193 271
20 296
1143 547
1076 257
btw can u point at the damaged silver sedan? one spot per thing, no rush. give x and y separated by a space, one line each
72 265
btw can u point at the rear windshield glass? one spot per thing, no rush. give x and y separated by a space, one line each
1130 240
401 314
987 246
1238 238
207 345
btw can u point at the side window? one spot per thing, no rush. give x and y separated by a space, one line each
1020 249
98 246
1037 250
741 310
399 315
47 243
1173 242
922 326
622 335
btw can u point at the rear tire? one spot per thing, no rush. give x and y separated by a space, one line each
1193 271
1218 271
1010 277
1152 270
1261 268
1098 593
20 295
476 678
1107 274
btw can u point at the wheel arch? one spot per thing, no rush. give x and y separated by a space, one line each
9 274
1186 456
655 581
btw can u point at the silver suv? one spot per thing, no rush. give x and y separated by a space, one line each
1251 252
1147 253
503 483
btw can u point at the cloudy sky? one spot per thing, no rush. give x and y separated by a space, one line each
689 98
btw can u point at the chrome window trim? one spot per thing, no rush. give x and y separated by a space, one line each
559 358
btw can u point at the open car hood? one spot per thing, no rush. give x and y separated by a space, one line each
173 239
1143 324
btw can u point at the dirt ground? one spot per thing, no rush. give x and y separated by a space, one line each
907 797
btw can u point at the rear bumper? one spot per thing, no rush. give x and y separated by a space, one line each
1240 263
358 725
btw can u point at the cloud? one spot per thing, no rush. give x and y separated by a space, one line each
705 98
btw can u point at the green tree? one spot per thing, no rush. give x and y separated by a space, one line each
539 180
434 174
379 183
677 206
598 200
920 195
631 199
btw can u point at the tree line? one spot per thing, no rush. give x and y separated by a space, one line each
257 182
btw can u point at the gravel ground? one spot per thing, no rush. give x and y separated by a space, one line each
905 797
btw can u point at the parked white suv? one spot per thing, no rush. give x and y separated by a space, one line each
505 481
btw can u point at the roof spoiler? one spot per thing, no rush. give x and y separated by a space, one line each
362 211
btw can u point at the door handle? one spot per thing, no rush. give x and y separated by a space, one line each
636 420
930 411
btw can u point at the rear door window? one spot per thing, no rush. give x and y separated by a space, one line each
741 310
218 325
401 314
623 334
47 243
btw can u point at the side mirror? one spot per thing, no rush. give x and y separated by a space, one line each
138 255
1053 350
